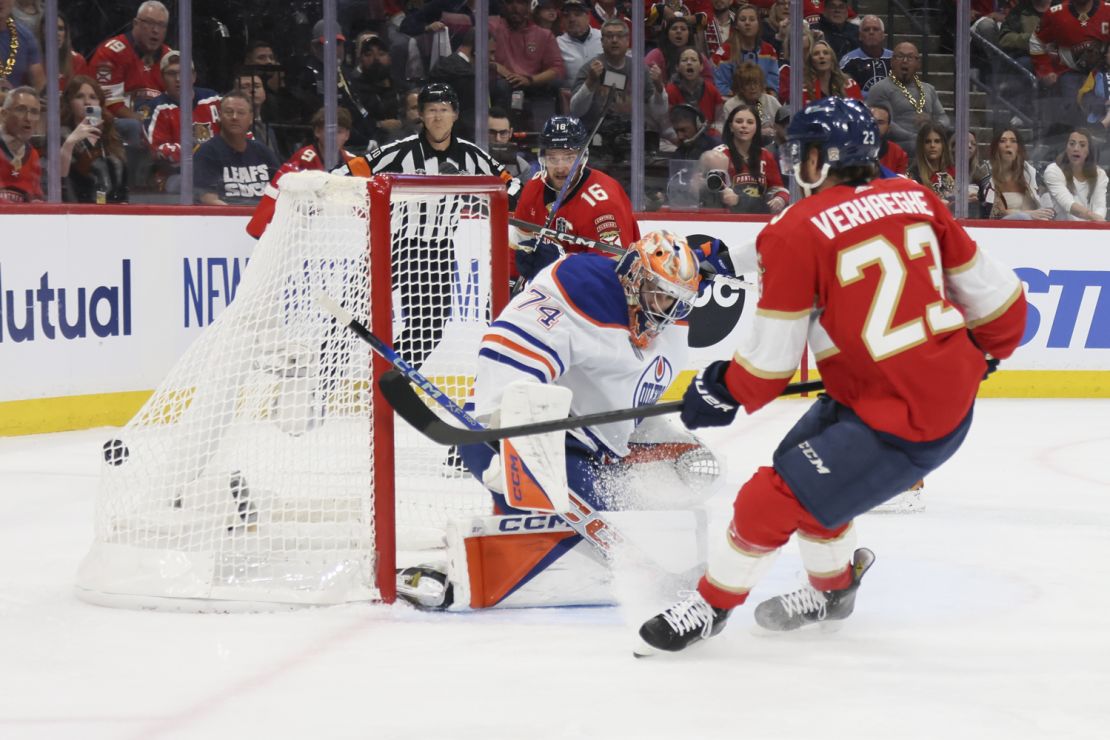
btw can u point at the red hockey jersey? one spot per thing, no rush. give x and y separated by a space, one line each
127 80
884 284
767 183
305 158
20 184
164 131
1063 39
596 208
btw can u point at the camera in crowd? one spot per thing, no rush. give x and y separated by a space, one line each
716 181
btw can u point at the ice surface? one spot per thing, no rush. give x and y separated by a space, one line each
987 616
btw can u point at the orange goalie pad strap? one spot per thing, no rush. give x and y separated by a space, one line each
498 564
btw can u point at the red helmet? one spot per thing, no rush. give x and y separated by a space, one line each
660 277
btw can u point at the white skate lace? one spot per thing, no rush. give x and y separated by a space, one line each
804 600
689 614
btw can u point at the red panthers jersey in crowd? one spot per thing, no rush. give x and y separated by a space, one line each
126 79
767 183
305 158
596 208
1066 41
164 131
885 286
22 184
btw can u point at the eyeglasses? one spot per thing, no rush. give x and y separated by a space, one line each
25 110
500 133
614 35
157 25
907 57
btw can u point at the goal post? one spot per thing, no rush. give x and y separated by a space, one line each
266 468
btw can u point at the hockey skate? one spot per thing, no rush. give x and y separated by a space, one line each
808 606
424 587
679 626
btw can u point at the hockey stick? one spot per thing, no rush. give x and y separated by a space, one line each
398 391
613 250
582 518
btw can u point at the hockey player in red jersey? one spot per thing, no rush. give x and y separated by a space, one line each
594 206
309 157
905 315
1066 46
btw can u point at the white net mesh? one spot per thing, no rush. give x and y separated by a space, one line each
248 476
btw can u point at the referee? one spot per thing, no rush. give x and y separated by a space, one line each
423 254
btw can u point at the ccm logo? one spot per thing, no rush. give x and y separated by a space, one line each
533 523
814 459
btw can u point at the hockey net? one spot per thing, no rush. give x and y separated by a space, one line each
265 468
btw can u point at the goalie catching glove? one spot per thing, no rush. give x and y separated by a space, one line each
707 401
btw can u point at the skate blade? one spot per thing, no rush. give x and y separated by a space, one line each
826 627
643 650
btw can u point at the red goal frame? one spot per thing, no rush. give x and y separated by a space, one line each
382 189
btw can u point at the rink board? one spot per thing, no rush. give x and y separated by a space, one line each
95 308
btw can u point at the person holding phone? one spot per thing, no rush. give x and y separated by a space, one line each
93 163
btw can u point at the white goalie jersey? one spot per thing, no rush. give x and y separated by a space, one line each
570 327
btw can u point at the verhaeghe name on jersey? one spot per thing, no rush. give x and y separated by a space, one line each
869 207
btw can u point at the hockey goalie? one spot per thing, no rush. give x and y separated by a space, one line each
588 334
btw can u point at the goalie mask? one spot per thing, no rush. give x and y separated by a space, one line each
562 139
660 278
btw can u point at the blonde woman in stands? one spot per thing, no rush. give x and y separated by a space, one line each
1013 191
748 85
1076 185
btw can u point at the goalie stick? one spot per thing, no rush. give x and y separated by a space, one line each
398 391
582 518
613 250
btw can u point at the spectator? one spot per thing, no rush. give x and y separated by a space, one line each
746 45
529 60
912 102
1094 95
30 14
309 88
20 170
457 70
164 132
22 65
688 86
1066 46
782 121
754 183
309 157
718 30
932 161
749 88
251 85
410 114
842 36
784 70
580 41
823 76
503 147
1012 191
436 15
597 88
546 15
93 163
375 88
1076 184
870 62
128 66
1018 28
775 25
978 172
70 63
891 156
677 37
230 168
281 106
692 134
604 10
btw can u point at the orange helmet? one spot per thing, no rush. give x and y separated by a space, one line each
660 277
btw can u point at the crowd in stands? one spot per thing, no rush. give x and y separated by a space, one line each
716 89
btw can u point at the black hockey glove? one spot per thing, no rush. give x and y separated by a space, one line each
529 264
992 365
707 402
